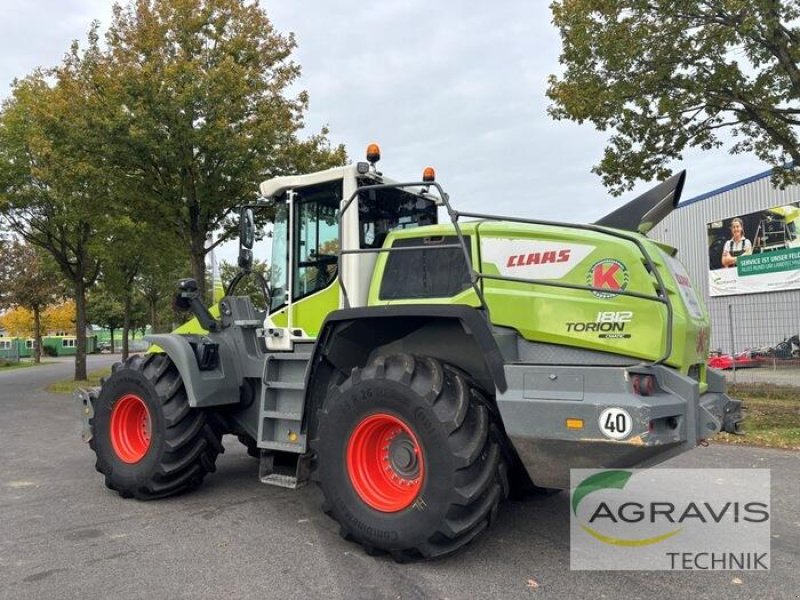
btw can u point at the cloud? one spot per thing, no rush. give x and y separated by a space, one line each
456 85
35 34
462 86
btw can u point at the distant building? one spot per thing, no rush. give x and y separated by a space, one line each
741 245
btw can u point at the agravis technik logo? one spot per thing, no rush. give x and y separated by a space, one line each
714 519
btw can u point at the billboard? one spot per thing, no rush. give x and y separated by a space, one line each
755 252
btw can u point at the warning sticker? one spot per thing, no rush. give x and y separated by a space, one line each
685 287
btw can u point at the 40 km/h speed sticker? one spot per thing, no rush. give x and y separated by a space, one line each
616 423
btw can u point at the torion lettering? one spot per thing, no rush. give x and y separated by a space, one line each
595 326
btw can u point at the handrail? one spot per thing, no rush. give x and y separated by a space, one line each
662 290
477 277
474 275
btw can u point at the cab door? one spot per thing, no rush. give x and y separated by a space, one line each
305 270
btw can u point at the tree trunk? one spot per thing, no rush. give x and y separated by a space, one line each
126 326
153 317
199 268
80 330
37 334
111 330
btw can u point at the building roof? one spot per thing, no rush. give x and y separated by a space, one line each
726 188
732 186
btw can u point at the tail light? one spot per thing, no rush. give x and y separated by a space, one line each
643 385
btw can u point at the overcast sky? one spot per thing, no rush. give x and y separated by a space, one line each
459 85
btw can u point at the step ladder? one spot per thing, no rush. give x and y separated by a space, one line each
283 444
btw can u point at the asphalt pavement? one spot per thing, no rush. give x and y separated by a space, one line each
64 535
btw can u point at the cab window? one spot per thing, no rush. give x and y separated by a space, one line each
316 238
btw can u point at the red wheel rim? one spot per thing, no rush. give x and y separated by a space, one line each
385 463
130 428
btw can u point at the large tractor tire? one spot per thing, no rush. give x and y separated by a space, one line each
149 442
408 458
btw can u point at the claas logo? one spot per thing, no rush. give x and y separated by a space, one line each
538 258
607 274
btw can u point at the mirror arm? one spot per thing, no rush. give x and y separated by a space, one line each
188 298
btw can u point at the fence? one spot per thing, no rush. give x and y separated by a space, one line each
9 350
756 341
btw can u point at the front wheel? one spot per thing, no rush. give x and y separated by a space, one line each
148 441
408 457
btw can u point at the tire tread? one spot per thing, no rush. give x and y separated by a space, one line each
473 441
190 444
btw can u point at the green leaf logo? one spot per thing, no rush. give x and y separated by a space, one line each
598 481
611 480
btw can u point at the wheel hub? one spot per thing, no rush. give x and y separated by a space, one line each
402 456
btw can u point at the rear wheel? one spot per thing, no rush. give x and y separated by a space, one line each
148 441
408 457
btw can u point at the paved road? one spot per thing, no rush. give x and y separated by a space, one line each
63 535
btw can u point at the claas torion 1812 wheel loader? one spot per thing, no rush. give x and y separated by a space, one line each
420 371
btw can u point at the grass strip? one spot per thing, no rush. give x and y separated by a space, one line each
68 386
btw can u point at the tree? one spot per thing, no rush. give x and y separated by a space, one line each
24 322
157 284
197 113
249 285
6 272
139 318
134 246
30 283
54 190
174 120
60 318
103 309
18 322
666 76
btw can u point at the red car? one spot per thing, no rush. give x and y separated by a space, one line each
743 360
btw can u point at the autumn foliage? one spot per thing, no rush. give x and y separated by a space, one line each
56 319
662 77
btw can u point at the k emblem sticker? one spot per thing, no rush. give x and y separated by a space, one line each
608 274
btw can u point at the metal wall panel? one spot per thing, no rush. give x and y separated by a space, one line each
755 320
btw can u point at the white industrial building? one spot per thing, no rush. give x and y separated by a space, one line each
754 316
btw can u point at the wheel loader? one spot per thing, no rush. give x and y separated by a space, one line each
420 371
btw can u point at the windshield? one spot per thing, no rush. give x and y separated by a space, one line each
280 255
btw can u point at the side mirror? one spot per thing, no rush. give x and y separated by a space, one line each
247 228
247 235
187 289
